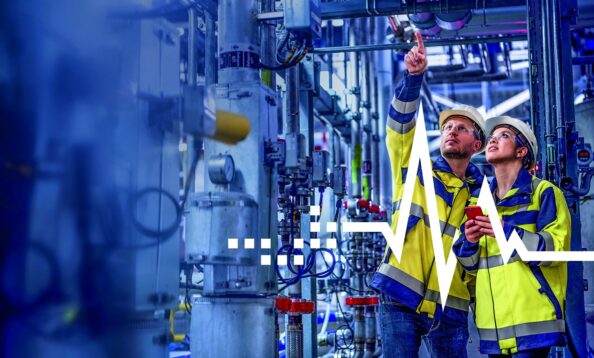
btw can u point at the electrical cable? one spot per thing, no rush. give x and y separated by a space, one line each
156 234
297 54
161 236
347 324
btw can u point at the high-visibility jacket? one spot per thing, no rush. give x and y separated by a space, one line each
412 282
520 305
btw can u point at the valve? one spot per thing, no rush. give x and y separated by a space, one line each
362 301
286 304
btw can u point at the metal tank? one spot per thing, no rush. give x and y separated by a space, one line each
211 220
233 327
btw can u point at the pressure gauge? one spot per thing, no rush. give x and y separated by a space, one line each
221 169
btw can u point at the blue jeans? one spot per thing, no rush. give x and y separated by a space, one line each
402 330
533 353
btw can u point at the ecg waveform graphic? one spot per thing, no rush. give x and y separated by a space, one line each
446 268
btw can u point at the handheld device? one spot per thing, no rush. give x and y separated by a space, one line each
473 211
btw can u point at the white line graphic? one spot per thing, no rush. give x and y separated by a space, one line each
445 269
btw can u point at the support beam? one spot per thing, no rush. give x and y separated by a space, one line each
365 8
408 45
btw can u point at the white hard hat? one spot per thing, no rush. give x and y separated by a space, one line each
470 113
526 134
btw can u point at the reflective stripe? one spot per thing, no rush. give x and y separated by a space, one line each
448 229
522 207
402 277
405 107
521 330
494 261
418 211
535 183
401 128
470 261
531 240
452 301
548 240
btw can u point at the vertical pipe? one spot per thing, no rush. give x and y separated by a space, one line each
210 50
292 81
337 147
238 38
356 116
486 94
359 331
294 337
550 107
268 41
192 47
375 140
366 118
330 28
383 72
370 332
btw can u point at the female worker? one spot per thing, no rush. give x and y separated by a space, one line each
520 306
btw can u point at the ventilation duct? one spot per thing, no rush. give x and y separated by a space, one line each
425 22
453 20
432 23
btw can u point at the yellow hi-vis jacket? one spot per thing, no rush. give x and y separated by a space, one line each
520 305
412 282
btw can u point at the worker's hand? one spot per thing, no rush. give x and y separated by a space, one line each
415 59
485 225
472 231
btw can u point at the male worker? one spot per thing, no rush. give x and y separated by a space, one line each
519 305
411 307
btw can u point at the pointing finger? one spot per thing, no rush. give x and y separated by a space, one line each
420 42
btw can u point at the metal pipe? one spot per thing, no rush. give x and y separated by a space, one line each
383 73
294 337
370 333
365 8
268 41
359 331
292 82
355 118
560 119
375 150
191 80
549 119
330 64
238 37
408 45
336 147
210 51
583 188
366 121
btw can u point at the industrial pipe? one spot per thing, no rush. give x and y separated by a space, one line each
409 45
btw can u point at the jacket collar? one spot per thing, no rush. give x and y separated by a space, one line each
473 173
522 186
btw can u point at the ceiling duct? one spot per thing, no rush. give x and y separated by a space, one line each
453 20
425 22
432 23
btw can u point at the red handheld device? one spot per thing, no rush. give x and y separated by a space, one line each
473 211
